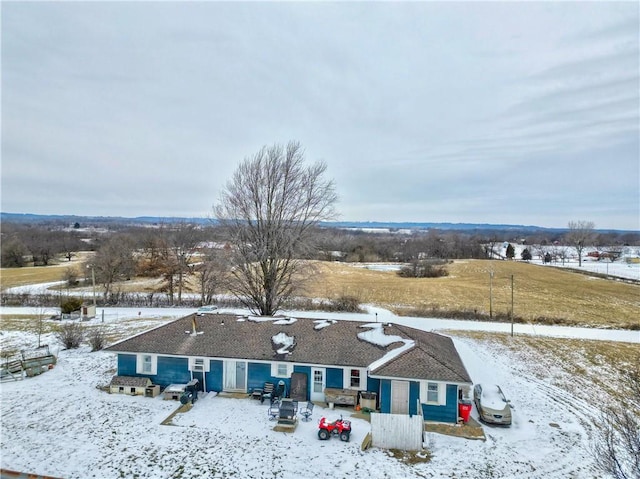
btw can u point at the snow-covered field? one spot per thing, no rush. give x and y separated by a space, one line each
61 424
618 268
624 267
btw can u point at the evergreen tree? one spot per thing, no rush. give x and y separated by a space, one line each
511 252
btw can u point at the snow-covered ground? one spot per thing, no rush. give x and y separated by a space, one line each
618 269
61 424
626 266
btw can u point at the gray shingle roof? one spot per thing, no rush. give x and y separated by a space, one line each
233 337
130 381
433 357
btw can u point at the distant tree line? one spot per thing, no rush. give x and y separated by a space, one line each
192 258
37 245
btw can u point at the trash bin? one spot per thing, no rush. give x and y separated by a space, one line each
368 400
464 410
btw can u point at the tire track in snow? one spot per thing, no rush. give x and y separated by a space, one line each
537 410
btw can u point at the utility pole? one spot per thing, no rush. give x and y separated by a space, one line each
93 281
491 294
511 305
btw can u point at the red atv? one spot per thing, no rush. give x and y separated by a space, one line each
340 427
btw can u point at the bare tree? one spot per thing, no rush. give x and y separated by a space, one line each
70 276
183 239
12 253
39 325
490 248
113 262
560 252
270 207
580 235
617 446
212 275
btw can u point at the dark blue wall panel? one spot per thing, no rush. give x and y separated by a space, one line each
414 397
126 365
214 376
258 374
335 378
172 370
446 413
385 396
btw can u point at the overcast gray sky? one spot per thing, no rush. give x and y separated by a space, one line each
519 113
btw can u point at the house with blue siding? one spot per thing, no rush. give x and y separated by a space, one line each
407 368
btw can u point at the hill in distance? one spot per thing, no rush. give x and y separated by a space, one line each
28 218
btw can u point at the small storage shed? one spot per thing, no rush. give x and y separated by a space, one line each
88 312
134 386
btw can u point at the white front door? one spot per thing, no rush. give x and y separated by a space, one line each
318 382
235 376
399 397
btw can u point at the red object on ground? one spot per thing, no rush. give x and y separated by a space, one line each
464 411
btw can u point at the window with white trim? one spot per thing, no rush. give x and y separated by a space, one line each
281 370
355 378
199 364
146 364
434 393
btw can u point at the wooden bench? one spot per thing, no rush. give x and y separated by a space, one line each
347 397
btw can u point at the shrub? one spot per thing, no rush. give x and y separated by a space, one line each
346 304
70 276
70 335
97 339
424 269
70 305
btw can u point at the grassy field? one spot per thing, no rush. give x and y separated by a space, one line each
10 277
541 294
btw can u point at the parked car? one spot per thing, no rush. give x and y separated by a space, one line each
209 309
493 407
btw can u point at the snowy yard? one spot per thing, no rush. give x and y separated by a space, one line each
61 424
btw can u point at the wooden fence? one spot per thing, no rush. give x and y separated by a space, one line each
397 431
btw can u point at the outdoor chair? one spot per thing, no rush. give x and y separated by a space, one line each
274 411
306 411
267 392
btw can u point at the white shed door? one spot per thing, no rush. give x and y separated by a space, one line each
399 397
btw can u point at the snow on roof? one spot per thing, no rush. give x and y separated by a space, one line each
391 355
376 336
285 321
323 323
280 320
287 342
259 319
